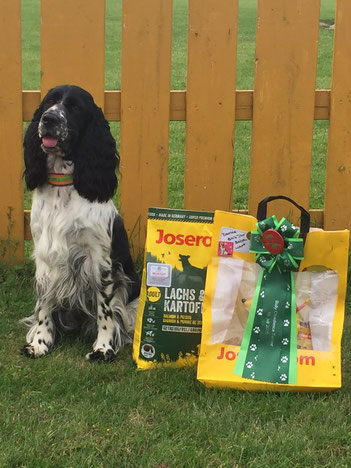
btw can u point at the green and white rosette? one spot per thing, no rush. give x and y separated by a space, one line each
268 350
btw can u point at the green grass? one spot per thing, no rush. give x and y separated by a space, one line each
61 411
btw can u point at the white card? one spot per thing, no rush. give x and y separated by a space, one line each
239 239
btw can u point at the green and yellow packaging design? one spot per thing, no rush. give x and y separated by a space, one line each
169 318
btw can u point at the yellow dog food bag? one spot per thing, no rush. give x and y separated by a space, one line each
169 318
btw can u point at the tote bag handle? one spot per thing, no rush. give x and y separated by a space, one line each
305 216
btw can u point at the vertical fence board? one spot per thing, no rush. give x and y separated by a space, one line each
338 185
284 93
11 166
73 45
210 107
145 102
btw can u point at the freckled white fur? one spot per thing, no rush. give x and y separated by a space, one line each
69 230
64 227
61 129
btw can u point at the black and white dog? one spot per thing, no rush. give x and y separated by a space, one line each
85 277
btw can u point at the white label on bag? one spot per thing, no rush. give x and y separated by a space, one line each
232 240
159 274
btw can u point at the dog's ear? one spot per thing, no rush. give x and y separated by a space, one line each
96 160
35 172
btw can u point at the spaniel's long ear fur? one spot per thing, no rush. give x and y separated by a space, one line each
96 160
35 172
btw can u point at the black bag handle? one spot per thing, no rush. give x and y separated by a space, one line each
305 216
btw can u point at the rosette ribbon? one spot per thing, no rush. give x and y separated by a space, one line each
268 350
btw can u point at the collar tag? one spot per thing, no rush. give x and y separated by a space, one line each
60 180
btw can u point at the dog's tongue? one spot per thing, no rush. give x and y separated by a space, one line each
49 141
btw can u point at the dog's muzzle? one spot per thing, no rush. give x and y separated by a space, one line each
53 128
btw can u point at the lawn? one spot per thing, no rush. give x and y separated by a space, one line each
61 411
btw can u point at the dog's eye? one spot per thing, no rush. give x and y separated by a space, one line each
72 104
52 99
49 103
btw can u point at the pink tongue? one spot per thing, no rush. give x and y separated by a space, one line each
49 142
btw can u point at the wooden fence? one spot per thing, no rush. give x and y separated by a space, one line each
282 106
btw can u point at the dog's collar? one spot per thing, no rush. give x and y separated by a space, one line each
60 180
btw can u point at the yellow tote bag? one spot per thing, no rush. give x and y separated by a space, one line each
237 351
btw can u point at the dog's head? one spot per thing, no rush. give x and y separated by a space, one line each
65 114
69 124
183 258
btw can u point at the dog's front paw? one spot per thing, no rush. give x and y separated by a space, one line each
101 355
34 351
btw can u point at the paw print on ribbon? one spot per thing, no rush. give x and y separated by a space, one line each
283 377
252 375
256 330
262 294
259 311
253 347
249 364
286 323
287 305
284 359
285 341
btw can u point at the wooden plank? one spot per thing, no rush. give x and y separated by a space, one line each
316 217
322 104
210 112
30 102
243 104
284 93
316 220
73 45
11 165
112 106
145 85
178 105
27 231
338 185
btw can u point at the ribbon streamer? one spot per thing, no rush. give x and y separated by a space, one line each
268 350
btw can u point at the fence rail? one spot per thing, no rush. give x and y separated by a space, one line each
282 106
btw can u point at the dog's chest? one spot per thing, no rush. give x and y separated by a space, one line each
53 207
62 222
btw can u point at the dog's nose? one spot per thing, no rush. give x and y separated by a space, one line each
50 118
